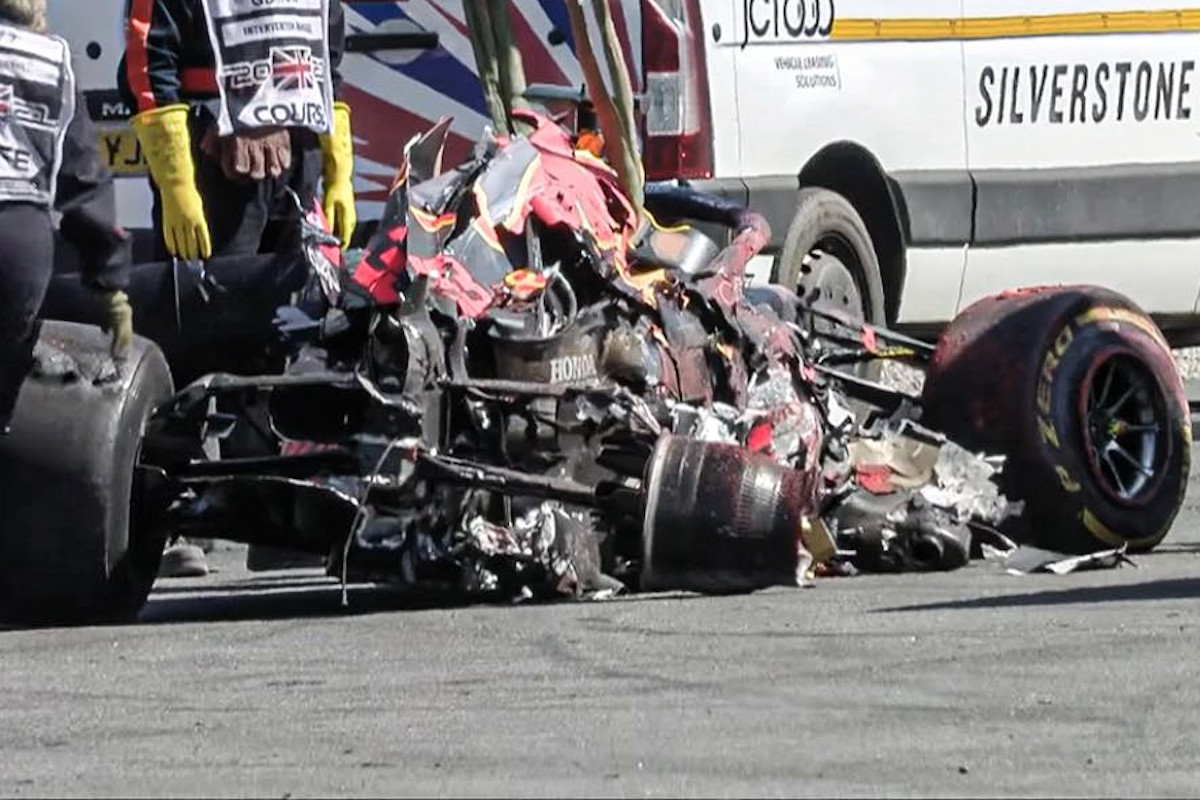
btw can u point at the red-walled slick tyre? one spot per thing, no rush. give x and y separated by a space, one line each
1078 388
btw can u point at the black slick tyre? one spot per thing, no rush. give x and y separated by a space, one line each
78 543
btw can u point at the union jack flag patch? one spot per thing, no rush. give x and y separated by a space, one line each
294 69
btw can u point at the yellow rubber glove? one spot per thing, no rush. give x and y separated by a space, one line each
338 152
118 321
163 133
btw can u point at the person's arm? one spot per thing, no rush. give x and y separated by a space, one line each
337 147
156 33
85 198
337 44
149 75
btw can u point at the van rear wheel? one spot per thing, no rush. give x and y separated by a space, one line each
829 259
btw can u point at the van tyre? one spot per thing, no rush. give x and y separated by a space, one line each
1078 388
77 539
828 257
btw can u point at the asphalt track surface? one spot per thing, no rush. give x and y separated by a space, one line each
974 683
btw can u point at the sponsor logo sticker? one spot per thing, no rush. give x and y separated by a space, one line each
569 369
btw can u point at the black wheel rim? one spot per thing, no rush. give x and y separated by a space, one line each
829 281
1124 427
834 278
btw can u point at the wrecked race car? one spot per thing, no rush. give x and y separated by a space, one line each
528 388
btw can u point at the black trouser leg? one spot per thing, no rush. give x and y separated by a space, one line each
245 219
26 263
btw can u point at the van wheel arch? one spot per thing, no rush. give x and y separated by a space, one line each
856 174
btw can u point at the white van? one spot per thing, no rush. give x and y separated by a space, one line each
941 149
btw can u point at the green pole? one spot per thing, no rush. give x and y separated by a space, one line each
618 132
502 77
480 30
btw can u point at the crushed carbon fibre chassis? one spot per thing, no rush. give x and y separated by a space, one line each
525 389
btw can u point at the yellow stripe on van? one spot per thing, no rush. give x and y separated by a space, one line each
1170 21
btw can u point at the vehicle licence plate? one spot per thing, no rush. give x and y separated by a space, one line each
121 149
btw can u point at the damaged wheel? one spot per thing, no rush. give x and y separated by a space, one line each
77 539
1077 386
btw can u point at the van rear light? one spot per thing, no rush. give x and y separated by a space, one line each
677 117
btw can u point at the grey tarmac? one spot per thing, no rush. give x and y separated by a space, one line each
973 683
